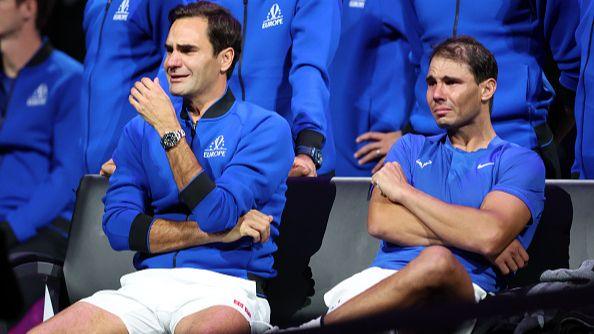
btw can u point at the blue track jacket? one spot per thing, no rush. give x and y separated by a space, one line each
124 42
584 101
371 87
39 142
288 46
518 33
246 155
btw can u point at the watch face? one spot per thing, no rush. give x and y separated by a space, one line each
169 140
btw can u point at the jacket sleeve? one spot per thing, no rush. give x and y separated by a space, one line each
393 74
259 166
559 19
125 221
315 30
54 196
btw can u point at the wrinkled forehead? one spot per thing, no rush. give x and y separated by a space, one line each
442 67
188 31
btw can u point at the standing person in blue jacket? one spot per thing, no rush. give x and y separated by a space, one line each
124 42
370 90
583 166
185 191
520 34
39 131
446 207
288 47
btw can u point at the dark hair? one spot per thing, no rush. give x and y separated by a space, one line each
44 12
224 30
469 51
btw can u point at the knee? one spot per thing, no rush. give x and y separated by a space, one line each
438 262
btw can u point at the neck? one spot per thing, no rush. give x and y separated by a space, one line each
17 49
200 104
475 135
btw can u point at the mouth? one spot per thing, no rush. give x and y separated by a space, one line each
175 78
441 111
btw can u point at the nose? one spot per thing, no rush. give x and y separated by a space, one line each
438 93
173 60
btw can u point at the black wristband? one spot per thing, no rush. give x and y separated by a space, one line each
139 232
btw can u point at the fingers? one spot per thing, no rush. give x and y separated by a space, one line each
370 136
258 223
378 166
108 168
299 170
502 266
522 252
369 148
511 264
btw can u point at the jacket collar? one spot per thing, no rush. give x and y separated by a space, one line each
219 108
39 57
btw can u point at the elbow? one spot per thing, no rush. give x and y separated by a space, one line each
491 243
375 228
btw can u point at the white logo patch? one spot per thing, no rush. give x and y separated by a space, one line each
122 13
216 148
39 96
423 164
274 17
357 3
481 166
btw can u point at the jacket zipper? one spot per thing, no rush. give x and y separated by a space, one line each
584 103
244 29
89 87
456 17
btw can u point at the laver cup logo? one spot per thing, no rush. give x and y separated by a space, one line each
216 148
274 17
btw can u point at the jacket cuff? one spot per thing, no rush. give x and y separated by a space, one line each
310 138
139 233
10 239
196 190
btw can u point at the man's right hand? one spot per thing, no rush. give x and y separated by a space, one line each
108 168
512 258
253 224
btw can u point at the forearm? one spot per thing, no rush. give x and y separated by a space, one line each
475 230
184 164
168 235
394 223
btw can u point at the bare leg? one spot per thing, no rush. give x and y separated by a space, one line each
216 319
434 272
82 318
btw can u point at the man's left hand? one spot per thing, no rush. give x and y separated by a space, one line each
153 104
303 166
378 145
391 181
512 258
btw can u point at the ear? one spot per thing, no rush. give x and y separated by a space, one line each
28 9
225 58
488 88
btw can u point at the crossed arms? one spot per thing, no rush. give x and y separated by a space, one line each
405 216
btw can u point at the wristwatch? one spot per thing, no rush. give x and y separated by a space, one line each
313 152
171 139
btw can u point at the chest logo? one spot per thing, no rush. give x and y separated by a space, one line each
486 164
39 96
216 148
423 164
357 3
122 13
273 18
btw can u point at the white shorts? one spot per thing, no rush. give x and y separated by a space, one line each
359 282
155 300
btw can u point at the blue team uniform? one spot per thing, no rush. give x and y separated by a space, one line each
371 75
517 33
124 42
39 142
287 48
246 155
434 166
584 101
